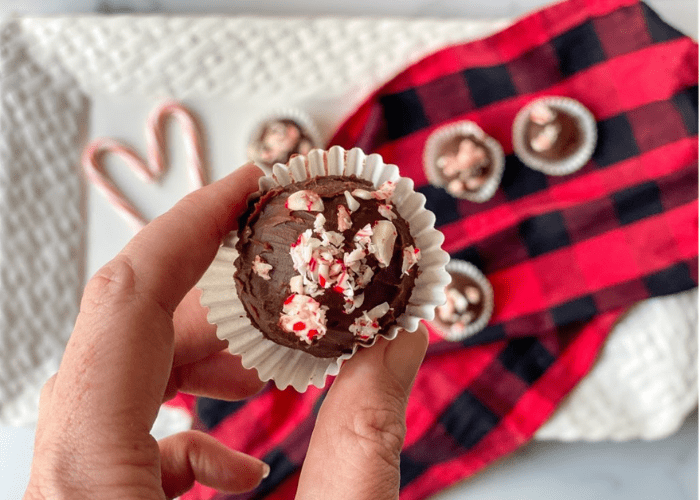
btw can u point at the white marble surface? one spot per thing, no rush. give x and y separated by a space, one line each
659 469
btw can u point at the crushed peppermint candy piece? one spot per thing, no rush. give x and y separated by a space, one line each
365 327
541 114
332 238
472 294
350 259
344 220
383 239
365 276
351 305
385 211
546 138
261 268
362 194
304 317
378 311
456 187
353 204
296 284
385 191
319 222
364 235
411 256
304 200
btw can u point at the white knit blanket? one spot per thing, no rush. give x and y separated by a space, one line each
55 71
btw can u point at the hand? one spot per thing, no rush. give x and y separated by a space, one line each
141 336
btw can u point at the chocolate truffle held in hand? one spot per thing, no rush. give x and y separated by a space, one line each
332 258
335 250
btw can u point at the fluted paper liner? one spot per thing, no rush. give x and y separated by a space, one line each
470 270
294 367
569 164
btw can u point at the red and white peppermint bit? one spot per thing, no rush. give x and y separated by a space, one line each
321 264
546 138
304 317
150 170
332 238
355 257
353 304
304 200
385 211
319 222
383 239
541 114
385 191
261 268
411 256
364 235
344 220
365 327
353 204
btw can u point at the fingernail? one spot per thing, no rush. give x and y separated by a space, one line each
266 470
404 355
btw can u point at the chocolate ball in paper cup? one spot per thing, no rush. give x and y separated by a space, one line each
280 135
555 135
464 161
469 303
334 251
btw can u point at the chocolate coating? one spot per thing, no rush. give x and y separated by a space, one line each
569 139
268 229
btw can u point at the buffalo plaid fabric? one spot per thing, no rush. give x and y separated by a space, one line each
565 255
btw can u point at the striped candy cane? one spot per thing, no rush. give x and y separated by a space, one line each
146 171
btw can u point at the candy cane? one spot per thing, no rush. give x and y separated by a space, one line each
156 166
155 140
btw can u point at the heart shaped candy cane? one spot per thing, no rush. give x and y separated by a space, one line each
156 166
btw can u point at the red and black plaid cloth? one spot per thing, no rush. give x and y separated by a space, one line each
565 255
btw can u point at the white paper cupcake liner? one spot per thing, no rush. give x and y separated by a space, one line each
470 270
464 128
296 115
570 164
293 367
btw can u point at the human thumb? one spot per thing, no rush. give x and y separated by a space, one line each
356 443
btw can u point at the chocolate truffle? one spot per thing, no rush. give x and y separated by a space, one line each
278 139
555 135
464 161
325 264
469 302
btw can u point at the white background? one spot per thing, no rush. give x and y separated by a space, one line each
635 470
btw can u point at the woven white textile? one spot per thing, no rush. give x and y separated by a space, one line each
52 67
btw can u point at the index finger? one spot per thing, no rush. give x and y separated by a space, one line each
119 357
172 252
